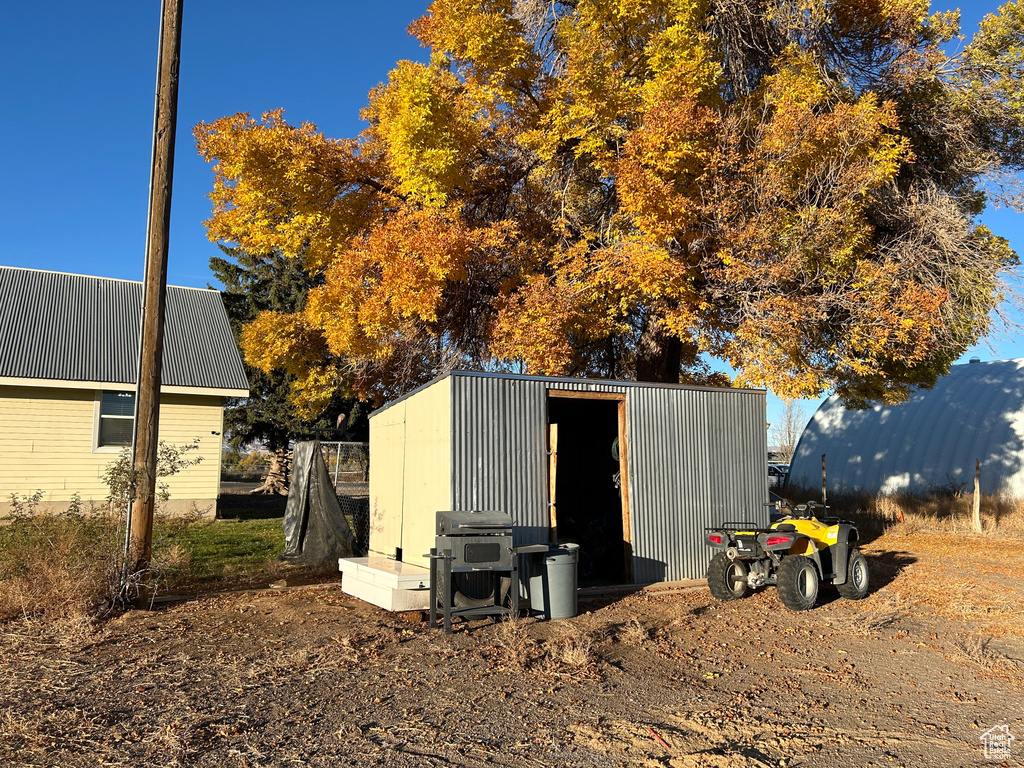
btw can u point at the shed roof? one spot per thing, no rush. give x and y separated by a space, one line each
58 327
931 441
566 382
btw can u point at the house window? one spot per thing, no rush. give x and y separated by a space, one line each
117 417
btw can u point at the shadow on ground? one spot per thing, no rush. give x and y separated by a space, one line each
246 506
886 566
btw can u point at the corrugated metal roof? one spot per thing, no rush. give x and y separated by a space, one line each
569 382
931 441
66 327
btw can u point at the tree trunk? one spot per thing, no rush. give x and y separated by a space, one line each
276 480
658 354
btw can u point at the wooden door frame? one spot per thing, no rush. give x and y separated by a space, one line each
627 527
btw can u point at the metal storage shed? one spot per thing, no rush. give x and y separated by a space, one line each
931 441
688 457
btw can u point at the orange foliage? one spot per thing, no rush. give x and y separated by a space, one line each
573 188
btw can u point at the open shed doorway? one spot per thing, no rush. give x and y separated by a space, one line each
588 483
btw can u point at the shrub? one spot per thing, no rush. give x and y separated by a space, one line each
244 467
66 564
119 475
57 564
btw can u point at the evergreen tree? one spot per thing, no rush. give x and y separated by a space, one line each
255 283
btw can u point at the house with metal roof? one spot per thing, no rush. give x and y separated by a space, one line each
632 472
68 357
974 413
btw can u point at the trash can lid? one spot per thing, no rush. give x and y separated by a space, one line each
567 551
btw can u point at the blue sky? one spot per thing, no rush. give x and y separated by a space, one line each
77 82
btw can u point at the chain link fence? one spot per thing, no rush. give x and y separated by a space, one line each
349 466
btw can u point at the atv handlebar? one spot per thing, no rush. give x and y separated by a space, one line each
807 509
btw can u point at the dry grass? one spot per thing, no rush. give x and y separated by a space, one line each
883 612
517 649
979 649
634 633
172 564
574 651
57 566
946 510
320 679
64 566
967 579
569 651
956 573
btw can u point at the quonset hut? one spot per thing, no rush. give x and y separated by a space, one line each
632 472
929 442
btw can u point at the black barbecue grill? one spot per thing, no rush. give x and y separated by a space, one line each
476 539
473 553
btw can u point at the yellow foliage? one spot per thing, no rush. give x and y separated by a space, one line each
580 187
426 123
276 340
488 38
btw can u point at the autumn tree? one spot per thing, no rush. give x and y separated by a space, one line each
255 283
626 188
785 434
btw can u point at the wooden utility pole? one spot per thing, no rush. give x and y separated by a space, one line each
147 403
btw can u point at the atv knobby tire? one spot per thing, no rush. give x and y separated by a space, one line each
797 582
857 577
727 579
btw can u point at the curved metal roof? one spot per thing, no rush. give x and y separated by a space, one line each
931 441
62 327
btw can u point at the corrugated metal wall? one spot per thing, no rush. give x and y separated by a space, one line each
696 457
499 450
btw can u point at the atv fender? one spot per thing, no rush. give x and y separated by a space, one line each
807 547
841 551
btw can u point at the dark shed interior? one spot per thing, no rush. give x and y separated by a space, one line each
587 487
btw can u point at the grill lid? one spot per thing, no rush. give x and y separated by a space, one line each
473 521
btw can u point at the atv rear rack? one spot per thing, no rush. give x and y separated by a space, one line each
745 527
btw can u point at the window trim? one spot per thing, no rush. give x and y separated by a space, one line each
96 418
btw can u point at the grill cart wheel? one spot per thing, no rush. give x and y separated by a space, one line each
797 581
727 579
857 577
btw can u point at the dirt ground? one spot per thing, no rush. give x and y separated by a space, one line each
912 676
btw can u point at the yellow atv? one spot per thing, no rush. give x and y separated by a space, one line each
799 550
